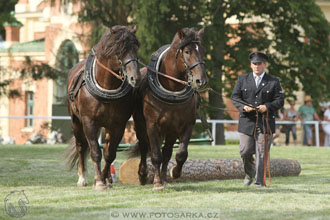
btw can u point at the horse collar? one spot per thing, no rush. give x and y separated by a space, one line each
157 89
96 90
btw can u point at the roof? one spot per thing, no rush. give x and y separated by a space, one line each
31 46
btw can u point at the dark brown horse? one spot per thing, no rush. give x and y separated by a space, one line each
100 95
166 108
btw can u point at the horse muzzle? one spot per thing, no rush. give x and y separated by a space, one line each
134 81
199 83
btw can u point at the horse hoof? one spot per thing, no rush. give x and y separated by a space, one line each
143 180
108 182
158 187
100 186
82 182
174 174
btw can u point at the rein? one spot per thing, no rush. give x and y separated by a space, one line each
163 74
122 69
266 150
109 70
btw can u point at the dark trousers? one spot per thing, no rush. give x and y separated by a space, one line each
289 128
250 146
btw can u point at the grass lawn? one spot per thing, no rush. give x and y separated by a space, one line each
52 191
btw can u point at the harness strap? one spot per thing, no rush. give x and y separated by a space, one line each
109 70
78 82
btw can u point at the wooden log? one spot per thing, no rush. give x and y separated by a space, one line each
203 170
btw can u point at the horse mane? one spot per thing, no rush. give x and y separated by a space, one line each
190 36
119 42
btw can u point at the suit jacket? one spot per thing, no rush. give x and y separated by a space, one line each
268 93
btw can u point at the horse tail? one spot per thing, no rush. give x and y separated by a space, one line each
71 154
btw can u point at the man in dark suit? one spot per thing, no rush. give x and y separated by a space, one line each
256 93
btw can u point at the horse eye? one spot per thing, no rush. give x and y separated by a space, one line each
187 52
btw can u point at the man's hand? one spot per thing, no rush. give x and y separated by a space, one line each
262 108
247 108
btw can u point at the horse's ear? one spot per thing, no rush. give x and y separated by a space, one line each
111 30
180 34
134 29
200 33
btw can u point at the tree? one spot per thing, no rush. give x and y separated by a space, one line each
158 21
104 14
280 31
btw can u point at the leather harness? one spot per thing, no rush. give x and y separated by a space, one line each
86 77
157 89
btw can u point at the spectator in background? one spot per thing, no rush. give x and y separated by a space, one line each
279 117
326 127
307 113
291 114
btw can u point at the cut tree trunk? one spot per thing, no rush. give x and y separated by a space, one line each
203 170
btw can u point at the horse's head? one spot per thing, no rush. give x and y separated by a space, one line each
120 46
189 56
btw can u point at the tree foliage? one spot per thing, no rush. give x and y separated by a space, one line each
103 14
6 7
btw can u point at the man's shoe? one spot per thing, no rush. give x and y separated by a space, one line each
258 185
247 180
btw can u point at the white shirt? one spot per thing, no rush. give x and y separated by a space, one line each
326 127
258 77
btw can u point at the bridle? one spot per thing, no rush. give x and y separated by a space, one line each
122 71
186 66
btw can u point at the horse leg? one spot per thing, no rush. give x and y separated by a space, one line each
110 151
105 173
142 145
82 150
91 133
167 153
182 154
143 167
156 156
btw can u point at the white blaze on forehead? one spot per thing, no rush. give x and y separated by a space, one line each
197 48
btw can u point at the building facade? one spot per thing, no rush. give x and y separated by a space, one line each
50 33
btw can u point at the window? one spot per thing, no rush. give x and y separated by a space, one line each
67 57
29 108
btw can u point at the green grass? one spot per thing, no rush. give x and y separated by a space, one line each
52 191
